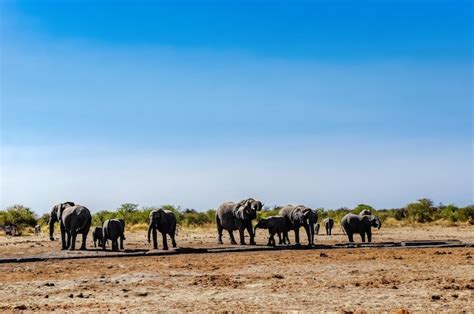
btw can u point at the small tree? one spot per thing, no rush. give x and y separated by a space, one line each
421 211
20 216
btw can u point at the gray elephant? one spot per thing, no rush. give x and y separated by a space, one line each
97 236
165 222
361 224
300 216
328 224
113 230
275 225
237 216
73 220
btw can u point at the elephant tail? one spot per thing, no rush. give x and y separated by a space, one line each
87 222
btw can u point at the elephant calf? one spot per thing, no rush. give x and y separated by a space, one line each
328 224
360 224
97 236
275 225
163 221
113 230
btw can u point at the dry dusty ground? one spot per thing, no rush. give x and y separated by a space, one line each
357 279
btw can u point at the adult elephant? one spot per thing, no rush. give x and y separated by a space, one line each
113 230
300 216
237 216
165 222
361 224
73 220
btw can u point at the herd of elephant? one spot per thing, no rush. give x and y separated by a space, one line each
76 219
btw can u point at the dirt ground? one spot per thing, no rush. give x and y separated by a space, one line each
356 279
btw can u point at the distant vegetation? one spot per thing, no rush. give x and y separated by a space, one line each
422 211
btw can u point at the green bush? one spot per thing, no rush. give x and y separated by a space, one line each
18 215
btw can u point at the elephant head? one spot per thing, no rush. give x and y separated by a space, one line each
56 215
247 209
365 212
375 222
155 218
262 224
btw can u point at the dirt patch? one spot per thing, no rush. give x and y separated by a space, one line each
343 280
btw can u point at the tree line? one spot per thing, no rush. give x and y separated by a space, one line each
421 211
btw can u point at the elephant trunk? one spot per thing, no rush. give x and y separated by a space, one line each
379 222
51 229
149 231
311 233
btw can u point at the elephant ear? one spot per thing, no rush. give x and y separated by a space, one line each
376 222
259 206
60 211
241 208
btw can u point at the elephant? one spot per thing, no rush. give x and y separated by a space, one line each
316 228
37 230
113 230
97 236
73 220
300 216
165 222
328 224
237 216
275 225
362 224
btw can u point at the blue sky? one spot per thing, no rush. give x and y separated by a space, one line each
326 103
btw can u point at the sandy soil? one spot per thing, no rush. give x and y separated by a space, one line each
436 279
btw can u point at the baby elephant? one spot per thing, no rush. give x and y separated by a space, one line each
113 230
163 221
328 224
275 225
97 236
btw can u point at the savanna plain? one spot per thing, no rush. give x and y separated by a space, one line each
332 280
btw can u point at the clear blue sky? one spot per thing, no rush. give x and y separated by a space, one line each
325 103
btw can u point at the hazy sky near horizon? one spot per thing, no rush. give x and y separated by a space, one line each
324 103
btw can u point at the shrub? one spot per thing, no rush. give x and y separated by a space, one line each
18 215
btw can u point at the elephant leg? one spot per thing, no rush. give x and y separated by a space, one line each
242 235
95 243
68 240
64 244
173 240
231 235
165 242
279 239
297 235
121 242
362 236
84 241
286 239
155 238
350 236
330 231
308 234
72 238
219 231
252 236
369 236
